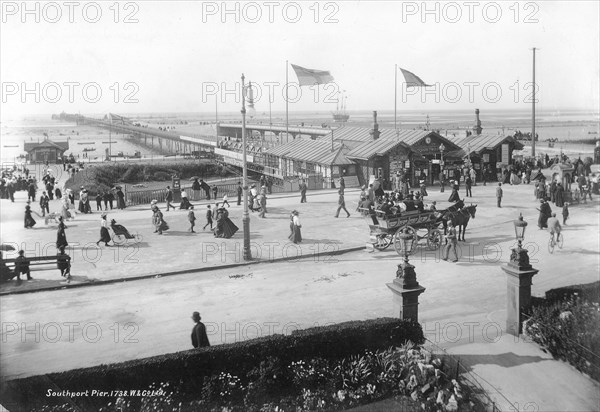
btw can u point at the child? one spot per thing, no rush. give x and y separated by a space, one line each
209 220
565 213
225 200
192 218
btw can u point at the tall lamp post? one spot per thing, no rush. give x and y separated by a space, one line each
247 255
405 287
519 280
442 148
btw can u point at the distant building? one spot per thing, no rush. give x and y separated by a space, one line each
46 151
494 152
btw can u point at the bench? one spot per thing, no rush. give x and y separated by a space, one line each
36 263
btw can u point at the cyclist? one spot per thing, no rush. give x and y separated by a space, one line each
554 226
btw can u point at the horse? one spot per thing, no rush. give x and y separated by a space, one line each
461 219
445 214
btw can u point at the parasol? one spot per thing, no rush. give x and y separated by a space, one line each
194 178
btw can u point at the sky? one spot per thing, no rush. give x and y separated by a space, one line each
159 56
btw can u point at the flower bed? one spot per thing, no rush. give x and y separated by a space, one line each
192 373
568 326
315 384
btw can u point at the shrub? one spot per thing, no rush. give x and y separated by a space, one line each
187 371
161 176
590 291
569 330
416 377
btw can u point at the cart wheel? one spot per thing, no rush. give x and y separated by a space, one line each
119 239
399 244
383 242
434 239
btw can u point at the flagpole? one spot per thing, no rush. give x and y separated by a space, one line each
533 110
332 139
395 95
217 119
287 122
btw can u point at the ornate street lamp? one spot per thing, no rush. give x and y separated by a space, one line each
407 243
520 226
519 257
247 255
405 288
406 271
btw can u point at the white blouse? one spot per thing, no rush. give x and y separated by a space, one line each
297 221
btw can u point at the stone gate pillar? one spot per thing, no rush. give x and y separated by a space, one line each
518 294
406 292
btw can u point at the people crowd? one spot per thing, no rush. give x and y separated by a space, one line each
380 199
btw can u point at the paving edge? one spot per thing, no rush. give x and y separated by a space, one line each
178 272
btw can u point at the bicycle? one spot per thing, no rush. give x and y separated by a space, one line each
553 243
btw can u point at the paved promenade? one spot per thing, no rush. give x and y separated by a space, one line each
462 310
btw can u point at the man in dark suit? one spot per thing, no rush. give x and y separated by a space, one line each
169 197
303 188
199 337
22 266
240 191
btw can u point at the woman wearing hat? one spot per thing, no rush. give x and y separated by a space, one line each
29 222
61 237
159 221
120 198
104 233
295 226
225 227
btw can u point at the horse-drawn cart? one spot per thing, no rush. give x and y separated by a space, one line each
386 229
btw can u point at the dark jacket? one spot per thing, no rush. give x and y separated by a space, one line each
199 337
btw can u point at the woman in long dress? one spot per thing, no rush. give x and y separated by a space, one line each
61 237
104 233
296 235
454 197
82 199
514 179
225 227
545 214
185 202
29 221
64 210
120 199
159 221
559 196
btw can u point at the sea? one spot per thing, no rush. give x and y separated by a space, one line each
575 130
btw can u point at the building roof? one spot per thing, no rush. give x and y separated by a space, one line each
479 143
363 134
312 151
63 146
377 147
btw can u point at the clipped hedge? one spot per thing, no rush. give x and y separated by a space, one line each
588 291
108 174
187 370
566 324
